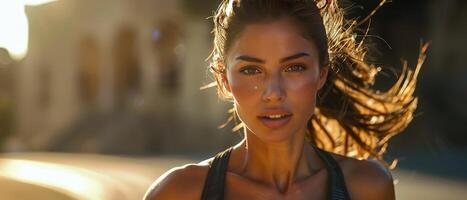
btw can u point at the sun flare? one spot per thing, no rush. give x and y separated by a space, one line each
14 26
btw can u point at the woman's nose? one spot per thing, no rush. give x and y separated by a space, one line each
273 89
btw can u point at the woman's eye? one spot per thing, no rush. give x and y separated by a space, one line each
295 68
249 71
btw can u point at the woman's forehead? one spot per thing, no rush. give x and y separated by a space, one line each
272 40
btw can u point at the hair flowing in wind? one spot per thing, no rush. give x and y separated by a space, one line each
351 118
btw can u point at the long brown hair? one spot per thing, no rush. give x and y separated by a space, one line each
351 118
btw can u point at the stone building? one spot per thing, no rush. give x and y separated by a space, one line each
117 76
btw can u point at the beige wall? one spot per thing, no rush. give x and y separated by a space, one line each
48 78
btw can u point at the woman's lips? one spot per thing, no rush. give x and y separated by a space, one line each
275 123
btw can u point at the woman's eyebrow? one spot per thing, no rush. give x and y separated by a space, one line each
250 59
295 56
257 60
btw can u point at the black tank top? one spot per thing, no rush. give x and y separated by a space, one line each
214 183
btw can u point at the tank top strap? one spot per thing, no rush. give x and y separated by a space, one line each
214 183
336 183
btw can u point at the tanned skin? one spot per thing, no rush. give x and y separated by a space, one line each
275 71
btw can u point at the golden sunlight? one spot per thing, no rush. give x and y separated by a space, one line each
76 182
14 26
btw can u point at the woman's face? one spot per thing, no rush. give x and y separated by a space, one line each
273 74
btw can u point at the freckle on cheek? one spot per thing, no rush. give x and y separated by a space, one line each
245 86
244 89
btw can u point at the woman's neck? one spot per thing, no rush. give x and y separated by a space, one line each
275 164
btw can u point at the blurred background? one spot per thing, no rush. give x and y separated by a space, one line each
98 98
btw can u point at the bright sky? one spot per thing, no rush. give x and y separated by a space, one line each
14 26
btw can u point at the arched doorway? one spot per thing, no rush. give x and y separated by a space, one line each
89 67
169 50
127 66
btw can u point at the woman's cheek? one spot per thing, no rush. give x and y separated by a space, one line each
302 92
245 96
242 87
303 85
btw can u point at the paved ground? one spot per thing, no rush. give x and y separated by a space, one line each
52 176
73 176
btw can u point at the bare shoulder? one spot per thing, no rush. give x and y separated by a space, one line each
366 179
184 182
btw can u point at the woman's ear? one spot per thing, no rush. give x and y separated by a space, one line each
323 75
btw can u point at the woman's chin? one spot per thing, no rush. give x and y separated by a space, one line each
277 136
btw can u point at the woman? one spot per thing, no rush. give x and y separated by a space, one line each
300 86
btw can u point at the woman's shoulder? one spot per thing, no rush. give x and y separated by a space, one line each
366 179
183 182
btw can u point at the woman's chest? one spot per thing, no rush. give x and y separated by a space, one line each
314 188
